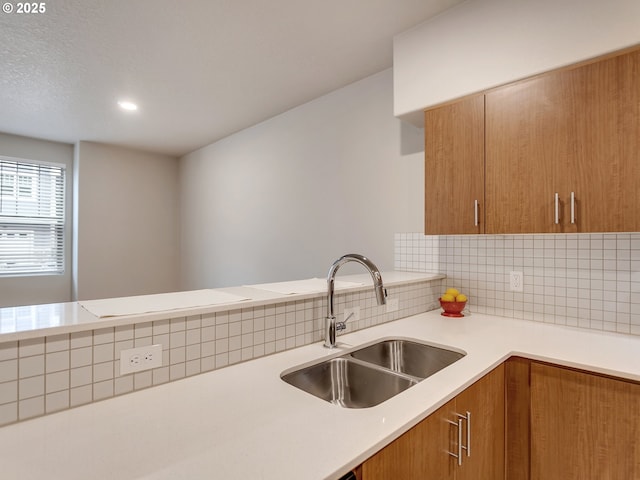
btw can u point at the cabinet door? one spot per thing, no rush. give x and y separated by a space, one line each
485 401
604 117
526 145
583 426
573 130
420 453
424 451
454 167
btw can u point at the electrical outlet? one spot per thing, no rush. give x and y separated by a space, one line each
140 358
516 281
352 314
392 305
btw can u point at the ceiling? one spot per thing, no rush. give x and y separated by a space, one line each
199 69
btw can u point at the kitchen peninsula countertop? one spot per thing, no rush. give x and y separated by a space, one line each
31 321
244 422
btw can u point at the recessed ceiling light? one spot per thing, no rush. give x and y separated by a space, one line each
129 106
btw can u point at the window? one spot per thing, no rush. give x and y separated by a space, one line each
31 217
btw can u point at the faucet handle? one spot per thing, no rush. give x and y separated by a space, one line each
341 326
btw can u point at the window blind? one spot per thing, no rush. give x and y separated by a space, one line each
32 217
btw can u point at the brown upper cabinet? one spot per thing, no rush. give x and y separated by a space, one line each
454 167
560 152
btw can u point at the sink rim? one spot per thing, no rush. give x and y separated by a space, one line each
346 356
351 348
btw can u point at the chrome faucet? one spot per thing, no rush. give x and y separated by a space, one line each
331 327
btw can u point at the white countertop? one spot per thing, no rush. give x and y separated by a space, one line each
31 321
244 422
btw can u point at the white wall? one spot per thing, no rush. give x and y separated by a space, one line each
126 238
35 289
484 43
283 199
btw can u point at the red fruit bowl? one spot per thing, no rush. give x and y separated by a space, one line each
452 309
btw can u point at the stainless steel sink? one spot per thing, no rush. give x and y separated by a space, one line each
368 376
405 356
348 383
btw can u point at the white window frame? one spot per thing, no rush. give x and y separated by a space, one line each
33 223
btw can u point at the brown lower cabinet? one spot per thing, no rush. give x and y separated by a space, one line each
583 426
567 424
425 451
529 421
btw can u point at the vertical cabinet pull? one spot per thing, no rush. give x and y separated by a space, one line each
573 207
468 447
556 209
475 212
461 445
458 455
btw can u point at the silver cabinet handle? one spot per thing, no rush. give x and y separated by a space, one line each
460 447
475 212
557 209
458 455
468 447
573 207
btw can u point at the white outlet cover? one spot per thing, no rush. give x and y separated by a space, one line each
516 281
140 358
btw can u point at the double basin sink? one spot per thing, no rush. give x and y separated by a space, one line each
370 375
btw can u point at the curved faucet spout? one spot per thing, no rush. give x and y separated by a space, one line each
331 326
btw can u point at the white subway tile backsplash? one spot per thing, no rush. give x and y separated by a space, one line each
31 387
81 376
177 339
123 332
57 361
102 371
30 347
80 357
8 351
193 352
177 371
102 390
57 343
81 395
123 385
143 341
207 363
142 330
8 370
31 366
194 336
103 353
31 407
194 322
160 375
8 392
161 327
178 324
103 335
142 380
585 280
81 339
56 382
57 401
8 413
